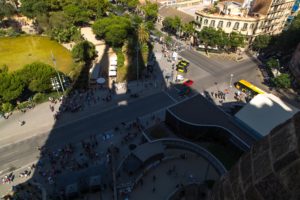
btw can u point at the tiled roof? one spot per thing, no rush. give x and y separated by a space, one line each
261 6
172 12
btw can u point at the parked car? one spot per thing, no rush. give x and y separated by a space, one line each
188 83
179 78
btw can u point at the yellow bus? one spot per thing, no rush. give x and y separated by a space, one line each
247 87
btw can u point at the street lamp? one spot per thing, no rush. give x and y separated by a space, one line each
230 84
55 84
60 81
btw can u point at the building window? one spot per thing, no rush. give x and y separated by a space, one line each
236 26
261 24
220 25
212 23
245 26
197 18
251 26
205 21
228 24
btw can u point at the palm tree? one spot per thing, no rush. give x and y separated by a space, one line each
143 33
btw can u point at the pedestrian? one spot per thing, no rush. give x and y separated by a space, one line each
154 178
153 189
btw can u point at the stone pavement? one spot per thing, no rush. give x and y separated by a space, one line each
170 175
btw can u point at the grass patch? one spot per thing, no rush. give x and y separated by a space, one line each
15 52
228 155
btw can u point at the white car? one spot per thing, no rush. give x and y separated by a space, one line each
179 78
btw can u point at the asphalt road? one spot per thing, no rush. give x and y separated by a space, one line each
206 72
25 152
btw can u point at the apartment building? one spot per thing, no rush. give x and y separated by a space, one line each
276 13
250 18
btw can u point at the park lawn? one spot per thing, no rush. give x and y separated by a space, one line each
15 52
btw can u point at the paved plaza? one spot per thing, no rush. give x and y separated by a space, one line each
172 174
72 152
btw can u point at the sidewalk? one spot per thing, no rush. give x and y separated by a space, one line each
40 119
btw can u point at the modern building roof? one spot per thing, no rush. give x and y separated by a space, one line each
258 6
148 150
201 112
172 12
264 112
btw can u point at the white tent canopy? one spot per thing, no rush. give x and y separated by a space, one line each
100 80
264 112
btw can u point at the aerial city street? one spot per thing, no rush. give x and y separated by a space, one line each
149 100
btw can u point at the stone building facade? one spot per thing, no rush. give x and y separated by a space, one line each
270 171
249 19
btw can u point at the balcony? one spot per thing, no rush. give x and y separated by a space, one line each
275 3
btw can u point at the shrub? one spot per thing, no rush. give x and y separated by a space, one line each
7 107
39 97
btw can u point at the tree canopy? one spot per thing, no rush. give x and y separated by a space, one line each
273 63
84 51
114 29
210 36
261 42
150 10
282 81
36 76
236 40
289 39
6 9
130 4
11 86
172 24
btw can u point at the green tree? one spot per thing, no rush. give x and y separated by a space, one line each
168 40
289 39
116 35
261 42
130 4
98 8
78 15
7 107
143 34
114 29
102 7
273 63
236 40
11 86
6 9
150 10
209 36
282 81
37 76
172 25
32 8
84 51
188 29
223 39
